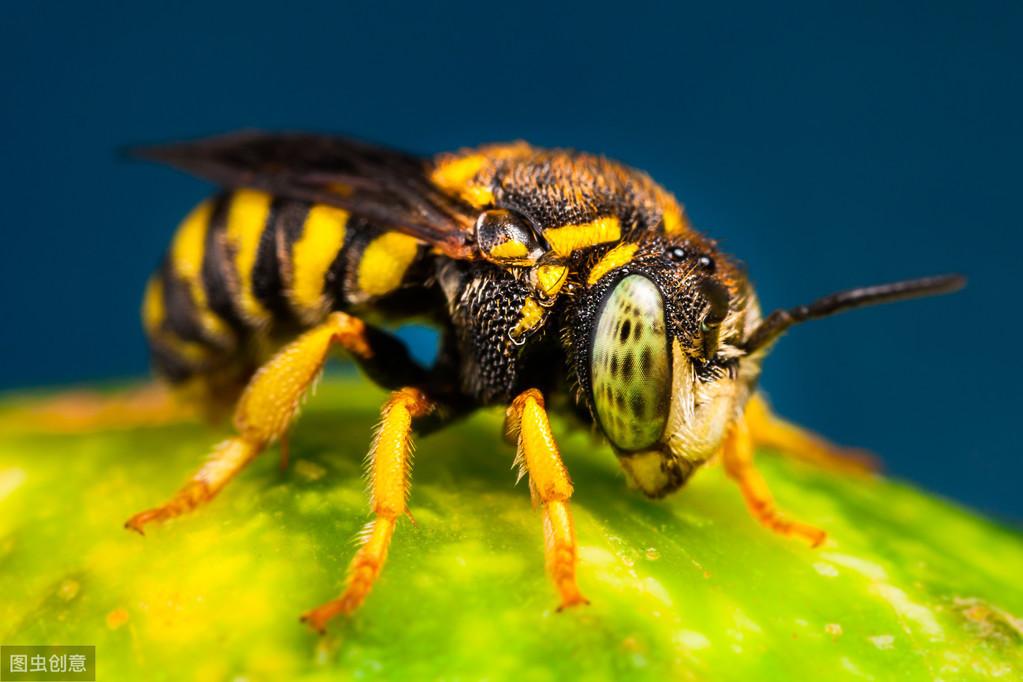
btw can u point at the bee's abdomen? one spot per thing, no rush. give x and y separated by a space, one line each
246 270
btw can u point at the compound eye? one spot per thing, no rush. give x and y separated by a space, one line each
506 238
630 367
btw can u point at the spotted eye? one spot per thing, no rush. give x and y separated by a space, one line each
630 368
506 238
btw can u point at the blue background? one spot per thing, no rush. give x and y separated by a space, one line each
825 147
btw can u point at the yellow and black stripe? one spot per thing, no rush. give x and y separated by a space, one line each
245 267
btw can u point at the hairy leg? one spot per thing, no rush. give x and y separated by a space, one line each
737 453
550 486
264 412
389 473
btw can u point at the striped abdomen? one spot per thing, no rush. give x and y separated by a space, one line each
246 271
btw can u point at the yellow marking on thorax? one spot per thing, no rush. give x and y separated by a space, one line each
674 221
615 258
455 173
246 220
478 196
187 251
384 263
532 314
323 235
672 214
550 278
569 238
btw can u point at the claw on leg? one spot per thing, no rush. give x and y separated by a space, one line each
390 464
551 486
227 460
264 412
190 496
769 430
738 462
362 573
560 553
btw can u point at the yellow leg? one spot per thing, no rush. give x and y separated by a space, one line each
263 413
737 453
771 431
549 485
389 469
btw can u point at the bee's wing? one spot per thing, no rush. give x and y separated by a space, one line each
385 187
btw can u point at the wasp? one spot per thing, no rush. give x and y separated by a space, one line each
560 282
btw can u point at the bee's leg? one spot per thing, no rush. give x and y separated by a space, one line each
264 411
737 453
771 431
389 467
550 485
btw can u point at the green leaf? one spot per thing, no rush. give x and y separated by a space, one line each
907 587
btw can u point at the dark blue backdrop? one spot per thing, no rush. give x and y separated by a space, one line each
825 147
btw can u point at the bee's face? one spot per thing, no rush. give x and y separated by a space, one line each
658 357
656 316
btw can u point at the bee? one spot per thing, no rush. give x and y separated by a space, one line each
560 281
